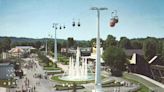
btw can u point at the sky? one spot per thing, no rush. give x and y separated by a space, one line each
34 18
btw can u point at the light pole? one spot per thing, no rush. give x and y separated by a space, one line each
55 42
98 87
50 38
46 47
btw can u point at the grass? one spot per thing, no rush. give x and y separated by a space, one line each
143 87
51 68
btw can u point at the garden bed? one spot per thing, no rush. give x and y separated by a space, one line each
111 83
66 87
51 68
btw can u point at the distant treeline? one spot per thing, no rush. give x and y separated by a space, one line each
150 45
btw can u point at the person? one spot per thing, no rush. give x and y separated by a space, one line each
34 88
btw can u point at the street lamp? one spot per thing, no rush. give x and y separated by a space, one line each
55 43
49 37
114 20
46 47
98 87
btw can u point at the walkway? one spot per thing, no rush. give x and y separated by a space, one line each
151 84
151 80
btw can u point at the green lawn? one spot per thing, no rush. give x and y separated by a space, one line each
51 68
65 87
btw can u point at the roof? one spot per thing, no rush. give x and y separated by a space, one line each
153 59
16 50
24 47
129 52
133 59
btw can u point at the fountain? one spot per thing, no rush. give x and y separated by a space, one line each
77 72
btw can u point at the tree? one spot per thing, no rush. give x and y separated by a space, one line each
64 44
115 58
6 44
93 42
58 46
162 49
50 44
135 44
1 47
150 48
83 44
125 43
37 44
110 41
71 42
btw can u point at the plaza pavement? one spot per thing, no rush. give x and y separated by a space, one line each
41 85
90 86
47 85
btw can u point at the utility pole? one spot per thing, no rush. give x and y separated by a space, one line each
98 86
46 47
55 43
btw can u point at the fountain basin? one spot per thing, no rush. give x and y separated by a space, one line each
90 77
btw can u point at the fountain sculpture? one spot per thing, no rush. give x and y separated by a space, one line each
77 71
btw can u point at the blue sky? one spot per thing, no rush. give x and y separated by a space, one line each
34 18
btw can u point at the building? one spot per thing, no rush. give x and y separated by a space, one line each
92 56
26 49
154 68
86 51
6 71
20 51
137 63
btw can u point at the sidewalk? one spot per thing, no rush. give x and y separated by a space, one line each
151 84
151 80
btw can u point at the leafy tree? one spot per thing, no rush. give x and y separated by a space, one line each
83 44
1 47
37 44
110 41
160 47
125 43
160 52
150 47
64 44
136 44
6 43
71 42
58 46
93 42
115 58
50 44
